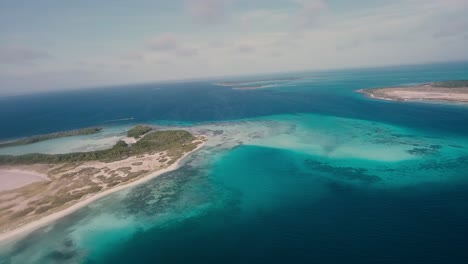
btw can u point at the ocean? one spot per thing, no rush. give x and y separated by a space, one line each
304 171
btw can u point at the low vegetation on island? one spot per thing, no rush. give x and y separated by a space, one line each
73 177
138 131
447 91
35 139
451 84
172 141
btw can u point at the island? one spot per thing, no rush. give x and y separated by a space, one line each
243 85
254 84
60 182
35 139
448 91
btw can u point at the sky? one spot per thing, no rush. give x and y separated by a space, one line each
50 45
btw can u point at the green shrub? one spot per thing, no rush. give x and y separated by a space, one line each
175 142
138 131
34 139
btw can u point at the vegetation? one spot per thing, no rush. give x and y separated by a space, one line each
34 139
175 142
138 131
451 84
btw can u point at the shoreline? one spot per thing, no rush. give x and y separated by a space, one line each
369 94
23 231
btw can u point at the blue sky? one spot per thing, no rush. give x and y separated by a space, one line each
55 44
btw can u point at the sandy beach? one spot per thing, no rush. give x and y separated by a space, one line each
30 177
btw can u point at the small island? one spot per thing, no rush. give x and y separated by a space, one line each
247 88
255 84
39 138
449 91
138 131
58 182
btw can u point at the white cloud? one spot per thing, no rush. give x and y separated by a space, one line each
264 18
207 10
19 54
451 28
310 10
187 52
243 48
133 56
165 45
167 41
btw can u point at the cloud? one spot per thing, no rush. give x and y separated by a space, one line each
264 18
18 54
275 54
133 56
187 52
348 45
217 44
245 49
451 28
207 10
164 46
51 80
456 4
310 10
163 42
313 7
454 30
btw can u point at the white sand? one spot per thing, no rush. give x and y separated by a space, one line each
14 178
129 140
427 95
26 229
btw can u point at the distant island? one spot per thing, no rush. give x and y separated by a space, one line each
35 139
448 91
256 84
61 183
234 83
246 88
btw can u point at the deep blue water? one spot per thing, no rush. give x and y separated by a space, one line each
266 204
330 93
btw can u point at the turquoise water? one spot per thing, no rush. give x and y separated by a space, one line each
306 171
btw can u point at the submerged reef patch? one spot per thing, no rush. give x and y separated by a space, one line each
347 173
